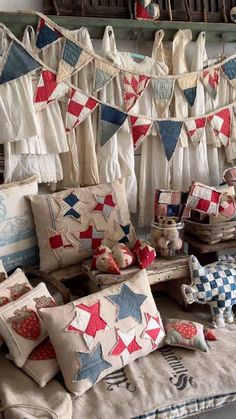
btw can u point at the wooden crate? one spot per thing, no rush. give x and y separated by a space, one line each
211 234
214 10
89 8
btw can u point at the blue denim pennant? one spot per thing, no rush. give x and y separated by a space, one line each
169 132
111 120
229 69
46 36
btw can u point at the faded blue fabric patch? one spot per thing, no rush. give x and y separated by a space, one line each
128 303
101 78
162 88
111 120
26 257
18 63
46 36
71 53
190 95
92 364
169 132
229 69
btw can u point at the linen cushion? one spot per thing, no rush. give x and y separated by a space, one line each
185 333
18 241
102 332
42 364
203 198
71 224
21 327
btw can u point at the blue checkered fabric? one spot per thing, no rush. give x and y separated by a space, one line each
215 283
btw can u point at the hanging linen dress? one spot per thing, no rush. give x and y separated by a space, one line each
145 106
80 164
38 155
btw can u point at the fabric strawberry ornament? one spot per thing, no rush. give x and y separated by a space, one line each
187 330
101 250
43 302
17 290
25 323
106 263
4 301
123 256
209 334
43 351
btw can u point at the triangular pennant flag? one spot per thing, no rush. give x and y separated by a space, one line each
139 128
221 124
163 92
188 85
229 70
104 72
133 85
73 58
18 63
48 89
45 35
111 120
79 107
195 129
169 132
210 79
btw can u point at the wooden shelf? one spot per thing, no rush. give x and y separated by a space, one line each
124 28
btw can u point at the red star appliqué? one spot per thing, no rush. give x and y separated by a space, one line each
105 205
125 345
154 330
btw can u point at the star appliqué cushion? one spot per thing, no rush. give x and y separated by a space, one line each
73 223
102 332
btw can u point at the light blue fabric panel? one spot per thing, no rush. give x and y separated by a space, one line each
71 53
162 88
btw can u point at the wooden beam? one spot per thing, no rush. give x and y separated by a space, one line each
123 28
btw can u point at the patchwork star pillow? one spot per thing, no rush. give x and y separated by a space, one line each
42 364
102 332
72 224
186 334
20 325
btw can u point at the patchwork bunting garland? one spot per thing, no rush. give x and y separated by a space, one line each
195 129
111 120
169 132
45 34
210 79
133 85
48 89
221 124
104 73
73 59
78 108
18 63
188 85
140 128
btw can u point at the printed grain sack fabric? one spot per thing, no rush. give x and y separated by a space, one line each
75 171
153 175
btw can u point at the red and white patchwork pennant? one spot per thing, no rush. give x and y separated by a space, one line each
195 129
133 85
140 128
48 89
221 124
78 109
204 199
210 79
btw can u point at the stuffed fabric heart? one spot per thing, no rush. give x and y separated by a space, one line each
98 252
123 256
106 263
209 334
144 252
146 9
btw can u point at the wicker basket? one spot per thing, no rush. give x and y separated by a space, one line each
92 8
211 234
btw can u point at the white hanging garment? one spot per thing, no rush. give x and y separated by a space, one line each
154 167
181 178
161 52
80 163
199 172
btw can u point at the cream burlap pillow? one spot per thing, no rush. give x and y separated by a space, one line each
71 224
20 325
102 332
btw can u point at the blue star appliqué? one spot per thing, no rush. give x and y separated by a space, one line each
128 303
92 364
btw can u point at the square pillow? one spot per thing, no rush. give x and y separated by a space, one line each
13 288
18 241
102 332
21 327
168 203
72 223
42 364
186 334
203 198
